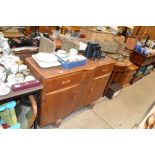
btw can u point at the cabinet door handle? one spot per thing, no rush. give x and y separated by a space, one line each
74 97
91 88
105 70
65 82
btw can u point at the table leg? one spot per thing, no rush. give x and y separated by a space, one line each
35 124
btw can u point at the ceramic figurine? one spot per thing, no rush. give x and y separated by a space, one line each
2 74
22 68
19 78
29 78
26 72
11 80
6 47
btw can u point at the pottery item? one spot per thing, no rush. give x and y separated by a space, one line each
6 47
19 62
61 53
26 72
73 53
19 78
22 68
29 78
4 90
14 69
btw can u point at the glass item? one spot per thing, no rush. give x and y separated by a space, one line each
6 47
7 113
11 113
73 53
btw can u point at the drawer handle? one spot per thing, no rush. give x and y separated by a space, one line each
105 70
65 82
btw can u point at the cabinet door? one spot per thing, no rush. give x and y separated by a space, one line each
84 94
58 104
98 86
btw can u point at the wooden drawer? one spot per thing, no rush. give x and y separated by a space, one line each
88 75
62 82
102 70
126 80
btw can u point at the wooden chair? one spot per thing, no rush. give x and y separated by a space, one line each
130 43
67 44
46 45
34 112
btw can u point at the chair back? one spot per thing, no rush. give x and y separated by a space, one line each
67 44
46 45
131 43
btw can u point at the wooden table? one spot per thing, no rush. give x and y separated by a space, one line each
13 34
24 52
16 94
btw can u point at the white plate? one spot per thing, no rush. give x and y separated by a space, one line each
46 65
5 91
46 57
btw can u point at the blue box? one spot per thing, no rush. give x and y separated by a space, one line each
69 65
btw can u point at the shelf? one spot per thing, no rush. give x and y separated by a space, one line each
138 78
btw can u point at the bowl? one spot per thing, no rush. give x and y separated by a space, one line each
61 53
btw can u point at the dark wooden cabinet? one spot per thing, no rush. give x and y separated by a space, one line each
67 90
123 73
23 54
142 61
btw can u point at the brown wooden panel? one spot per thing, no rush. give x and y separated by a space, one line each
85 98
57 105
88 75
101 70
98 86
62 81
67 90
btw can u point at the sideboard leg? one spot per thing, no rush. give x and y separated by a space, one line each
35 124
57 123
91 105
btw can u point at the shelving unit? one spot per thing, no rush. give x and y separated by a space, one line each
142 61
34 101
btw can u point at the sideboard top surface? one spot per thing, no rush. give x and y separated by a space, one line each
57 71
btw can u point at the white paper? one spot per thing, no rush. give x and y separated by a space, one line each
82 46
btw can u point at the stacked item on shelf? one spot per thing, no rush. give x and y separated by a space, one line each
12 72
24 112
8 118
140 71
148 69
46 60
64 58
143 49
144 70
16 115
71 59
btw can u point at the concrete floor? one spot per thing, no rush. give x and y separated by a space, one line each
122 112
